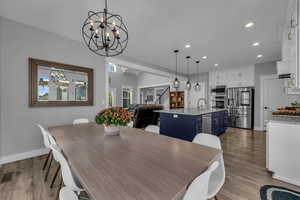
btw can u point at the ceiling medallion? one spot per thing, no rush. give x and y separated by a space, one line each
105 33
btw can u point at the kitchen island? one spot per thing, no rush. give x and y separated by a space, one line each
186 123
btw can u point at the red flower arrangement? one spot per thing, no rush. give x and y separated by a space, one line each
113 116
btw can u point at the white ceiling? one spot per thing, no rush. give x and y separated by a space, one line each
214 28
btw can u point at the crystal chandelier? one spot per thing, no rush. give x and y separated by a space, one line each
105 33
176 82
188 84
197 86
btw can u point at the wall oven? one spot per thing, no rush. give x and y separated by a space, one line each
220 90
220 101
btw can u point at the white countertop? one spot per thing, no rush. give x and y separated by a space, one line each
191 111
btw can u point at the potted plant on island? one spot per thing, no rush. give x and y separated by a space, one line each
112 118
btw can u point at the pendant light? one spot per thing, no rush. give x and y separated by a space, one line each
188 84
176 82
197 86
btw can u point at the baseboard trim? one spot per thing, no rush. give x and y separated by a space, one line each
257 128
285 179
22 156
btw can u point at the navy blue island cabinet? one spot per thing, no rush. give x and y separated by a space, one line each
185 124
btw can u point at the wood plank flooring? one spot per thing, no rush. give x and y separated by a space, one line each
244 155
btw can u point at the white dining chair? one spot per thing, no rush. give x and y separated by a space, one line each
46 144
152 129
67 194
217 179
198 189
48 140
66 172
81 121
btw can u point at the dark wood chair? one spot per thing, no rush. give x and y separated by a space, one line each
144 116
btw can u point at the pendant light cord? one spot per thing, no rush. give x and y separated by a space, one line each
176 63
188 66
198 71
176 60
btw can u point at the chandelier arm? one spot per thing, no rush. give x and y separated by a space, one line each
116 46
94 42
120 45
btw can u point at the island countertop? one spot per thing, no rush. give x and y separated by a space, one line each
191 111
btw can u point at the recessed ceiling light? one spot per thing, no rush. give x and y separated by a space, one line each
259 55
216 65
255 44
204 57
249 25
187 46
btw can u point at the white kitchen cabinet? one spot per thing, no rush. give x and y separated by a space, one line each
232 77
282 153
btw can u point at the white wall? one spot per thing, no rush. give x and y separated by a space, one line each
119 80
242 76
19 131
203 77
1 65
148 79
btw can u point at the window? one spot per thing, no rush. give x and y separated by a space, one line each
127 97
112 67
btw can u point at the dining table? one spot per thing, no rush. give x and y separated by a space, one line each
134 165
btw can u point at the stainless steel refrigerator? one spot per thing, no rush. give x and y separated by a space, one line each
240 104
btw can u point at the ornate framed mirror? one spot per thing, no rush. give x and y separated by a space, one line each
58 84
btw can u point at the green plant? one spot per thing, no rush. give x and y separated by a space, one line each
295 104
113 116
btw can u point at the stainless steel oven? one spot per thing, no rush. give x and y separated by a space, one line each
220 104
220 90
220 101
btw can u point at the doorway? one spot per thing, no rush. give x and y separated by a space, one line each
273 95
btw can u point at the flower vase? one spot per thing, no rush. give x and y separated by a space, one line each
111 130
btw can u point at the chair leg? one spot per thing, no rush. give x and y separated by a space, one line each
47 173
55 175
216 197
46 161
58 190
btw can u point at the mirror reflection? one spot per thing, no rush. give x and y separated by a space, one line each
55 84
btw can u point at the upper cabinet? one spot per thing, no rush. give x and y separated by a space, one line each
233 77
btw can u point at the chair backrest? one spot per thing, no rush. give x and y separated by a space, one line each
214 142
208 140
198 189
45 135
67 175
67 194
81 121
152 129
145 116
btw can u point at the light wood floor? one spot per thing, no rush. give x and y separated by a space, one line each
244 155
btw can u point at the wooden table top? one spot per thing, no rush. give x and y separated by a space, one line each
135 165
